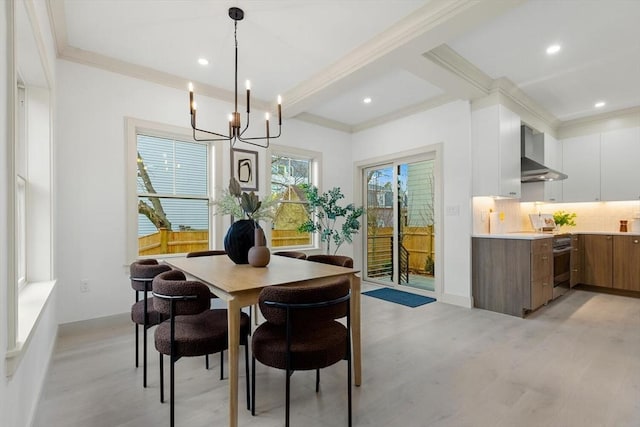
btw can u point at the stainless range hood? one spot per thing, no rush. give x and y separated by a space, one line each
531 170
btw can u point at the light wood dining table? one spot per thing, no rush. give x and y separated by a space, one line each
239 286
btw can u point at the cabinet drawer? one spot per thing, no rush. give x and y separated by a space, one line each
541 245
541 292
541 265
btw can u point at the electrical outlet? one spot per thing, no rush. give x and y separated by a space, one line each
84 285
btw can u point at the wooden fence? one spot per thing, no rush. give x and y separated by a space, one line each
173 242
417 240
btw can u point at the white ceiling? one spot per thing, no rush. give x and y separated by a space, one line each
325 56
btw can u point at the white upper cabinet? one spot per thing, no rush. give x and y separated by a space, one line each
581 162
496 152
620 164
553 159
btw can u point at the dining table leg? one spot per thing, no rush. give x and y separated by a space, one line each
233 315
355 329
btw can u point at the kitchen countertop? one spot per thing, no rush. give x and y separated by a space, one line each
531 235
526 235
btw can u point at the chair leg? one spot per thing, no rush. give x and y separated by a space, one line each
144 356
246 373
317 380
288 395
253 385
137 338
161 377
171 393
222 364
206 361
349 385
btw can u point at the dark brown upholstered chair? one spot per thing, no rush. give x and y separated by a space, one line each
143 314
301 332
212 252
292 254
193 329
339 260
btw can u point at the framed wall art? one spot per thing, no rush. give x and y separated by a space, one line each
244 168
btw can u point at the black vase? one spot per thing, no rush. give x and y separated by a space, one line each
239 239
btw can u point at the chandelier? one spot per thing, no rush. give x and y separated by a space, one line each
235 132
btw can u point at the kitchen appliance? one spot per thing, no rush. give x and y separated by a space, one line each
531 170
561 264
542 223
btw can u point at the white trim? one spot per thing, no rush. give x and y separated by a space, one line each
33 301
316 179
435 152
621 119
11 275
133 127
458 300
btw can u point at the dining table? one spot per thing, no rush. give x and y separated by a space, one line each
239 285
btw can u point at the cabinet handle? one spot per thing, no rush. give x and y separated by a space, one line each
635 241
575 270
544 258
512 193
609 237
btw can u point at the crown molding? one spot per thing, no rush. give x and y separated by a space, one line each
104 62
404 112
620 119
389 41
493 91
324 122
451 61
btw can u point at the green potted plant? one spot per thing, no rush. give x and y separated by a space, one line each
246 210
562 218
333 222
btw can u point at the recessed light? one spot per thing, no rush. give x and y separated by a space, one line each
553 49
600 104
203 61
367 100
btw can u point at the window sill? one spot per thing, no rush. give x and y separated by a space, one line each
32 301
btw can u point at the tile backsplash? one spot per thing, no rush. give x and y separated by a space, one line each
593 216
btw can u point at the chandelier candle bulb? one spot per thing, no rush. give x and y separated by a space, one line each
248 85
266 116
279 110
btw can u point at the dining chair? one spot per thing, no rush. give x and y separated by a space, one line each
339 260
301 332
291 254
143 313
192 328
211 252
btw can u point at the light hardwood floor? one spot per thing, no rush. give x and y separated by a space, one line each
573 363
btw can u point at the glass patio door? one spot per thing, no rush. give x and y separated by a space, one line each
400 224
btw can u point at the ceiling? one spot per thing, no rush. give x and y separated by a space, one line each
325 56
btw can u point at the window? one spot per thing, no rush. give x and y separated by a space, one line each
21 231
290 169
172 183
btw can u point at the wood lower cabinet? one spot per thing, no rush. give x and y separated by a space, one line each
511 276
626 263
597 260
576 260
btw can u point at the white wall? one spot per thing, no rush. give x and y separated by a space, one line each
91 179
450 125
